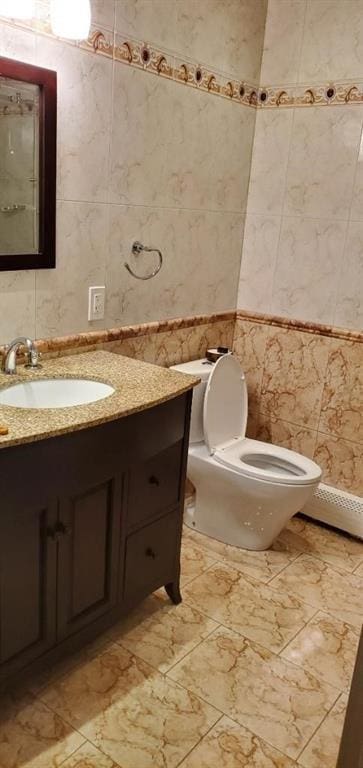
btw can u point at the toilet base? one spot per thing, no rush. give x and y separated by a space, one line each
237 510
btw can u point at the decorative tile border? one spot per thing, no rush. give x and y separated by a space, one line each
301 325
142 55
63 344
95 338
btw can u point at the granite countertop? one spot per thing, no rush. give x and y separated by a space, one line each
137 386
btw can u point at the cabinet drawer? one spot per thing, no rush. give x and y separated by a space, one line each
150 556
154 485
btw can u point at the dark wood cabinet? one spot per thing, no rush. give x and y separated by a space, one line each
92 528
27 584
89 542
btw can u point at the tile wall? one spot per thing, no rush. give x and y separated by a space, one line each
140 157
306 393
303 245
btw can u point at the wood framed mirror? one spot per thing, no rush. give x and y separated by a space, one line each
28 145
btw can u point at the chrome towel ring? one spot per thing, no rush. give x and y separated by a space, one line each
136 249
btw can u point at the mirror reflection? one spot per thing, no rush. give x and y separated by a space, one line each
19 167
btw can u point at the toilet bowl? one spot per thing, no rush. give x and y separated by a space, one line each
246 490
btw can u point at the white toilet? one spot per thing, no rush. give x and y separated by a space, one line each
246 490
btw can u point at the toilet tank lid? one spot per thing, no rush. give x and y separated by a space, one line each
202 368
225 404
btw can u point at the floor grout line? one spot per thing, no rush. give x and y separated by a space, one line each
318 727
199 741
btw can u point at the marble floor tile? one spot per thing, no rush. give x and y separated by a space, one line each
326 588
89 756
161 633
254 610
54 670
326 647
275 699
131 712
194 560
335 548
261 565
32 736
229 745
322 750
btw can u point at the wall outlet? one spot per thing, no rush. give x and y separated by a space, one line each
96 302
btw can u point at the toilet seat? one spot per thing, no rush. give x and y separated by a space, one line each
225 419
271 463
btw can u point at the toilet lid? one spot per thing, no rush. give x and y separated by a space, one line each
225 404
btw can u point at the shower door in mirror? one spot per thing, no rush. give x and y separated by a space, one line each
27 166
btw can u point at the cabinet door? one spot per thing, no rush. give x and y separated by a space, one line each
27 584
88 558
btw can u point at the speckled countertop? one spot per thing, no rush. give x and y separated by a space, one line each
137 386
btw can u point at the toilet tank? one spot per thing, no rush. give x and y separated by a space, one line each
202 369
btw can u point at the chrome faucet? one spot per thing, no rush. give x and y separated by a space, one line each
11 350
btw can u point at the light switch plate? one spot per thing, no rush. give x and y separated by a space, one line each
96 302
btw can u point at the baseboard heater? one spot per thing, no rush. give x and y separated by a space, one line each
338 508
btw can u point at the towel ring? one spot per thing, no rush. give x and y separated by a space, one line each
136 249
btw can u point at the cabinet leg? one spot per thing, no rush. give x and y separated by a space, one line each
173 590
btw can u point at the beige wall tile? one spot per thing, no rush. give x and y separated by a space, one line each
260 244
283 40
153 22
341 462
293 376
62 293
349 307
83 119
324 148
332 44
357 202
226 32
17 300
308 262
269 161
103 13
210 155
194 278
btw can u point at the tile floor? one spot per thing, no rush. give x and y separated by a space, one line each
251 670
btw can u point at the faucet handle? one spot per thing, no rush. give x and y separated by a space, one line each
33 358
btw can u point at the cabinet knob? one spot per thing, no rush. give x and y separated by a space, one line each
154 480
57 530
150 553
62 528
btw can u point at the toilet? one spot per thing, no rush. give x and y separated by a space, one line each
246 490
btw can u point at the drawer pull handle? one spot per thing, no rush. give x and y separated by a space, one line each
59 529
150 553
154 480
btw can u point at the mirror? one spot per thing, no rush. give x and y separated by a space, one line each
27 166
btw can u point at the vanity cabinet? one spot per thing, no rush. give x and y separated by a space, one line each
90 523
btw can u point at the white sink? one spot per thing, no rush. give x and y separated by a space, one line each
54 393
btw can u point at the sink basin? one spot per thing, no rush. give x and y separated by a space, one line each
54 393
